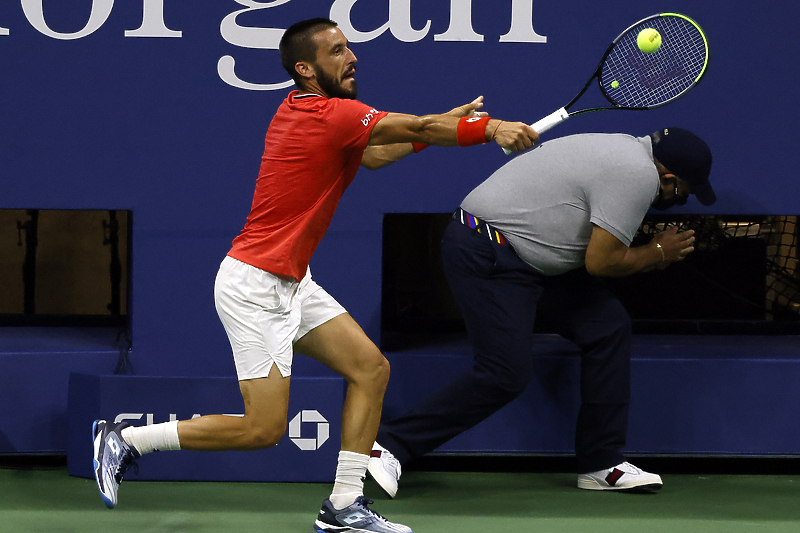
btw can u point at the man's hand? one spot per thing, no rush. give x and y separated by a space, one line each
469 110
675 244
606 255
514 136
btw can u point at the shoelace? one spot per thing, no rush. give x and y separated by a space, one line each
395 464
365 502
127 462
630 469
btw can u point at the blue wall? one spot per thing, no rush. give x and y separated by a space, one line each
110 120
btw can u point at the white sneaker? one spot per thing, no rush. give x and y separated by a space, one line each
624 476
384 469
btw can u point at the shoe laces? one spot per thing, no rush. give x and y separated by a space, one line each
126 463
365 503
393 463
629 468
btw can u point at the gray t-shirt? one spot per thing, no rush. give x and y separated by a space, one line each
545 201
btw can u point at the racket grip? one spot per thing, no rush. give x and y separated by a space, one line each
553 119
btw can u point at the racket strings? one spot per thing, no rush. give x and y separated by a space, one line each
632 78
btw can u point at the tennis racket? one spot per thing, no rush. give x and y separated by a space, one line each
631 79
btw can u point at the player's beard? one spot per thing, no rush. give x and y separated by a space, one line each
333 88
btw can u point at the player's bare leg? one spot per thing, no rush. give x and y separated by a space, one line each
342 345
117 446
266 403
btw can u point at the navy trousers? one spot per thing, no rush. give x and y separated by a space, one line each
500 298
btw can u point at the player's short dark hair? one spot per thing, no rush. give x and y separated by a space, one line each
297 43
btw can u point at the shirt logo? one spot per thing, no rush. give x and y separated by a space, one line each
369 116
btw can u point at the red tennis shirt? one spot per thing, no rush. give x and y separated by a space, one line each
312 152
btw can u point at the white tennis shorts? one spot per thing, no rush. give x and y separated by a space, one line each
265 315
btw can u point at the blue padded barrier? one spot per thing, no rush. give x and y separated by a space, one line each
35 364
718 395
691 395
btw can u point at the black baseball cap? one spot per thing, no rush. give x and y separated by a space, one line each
687 156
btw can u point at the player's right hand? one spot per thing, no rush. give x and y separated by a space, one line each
515 136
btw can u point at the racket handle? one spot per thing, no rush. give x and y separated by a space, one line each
553 119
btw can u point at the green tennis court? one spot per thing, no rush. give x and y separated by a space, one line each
51 501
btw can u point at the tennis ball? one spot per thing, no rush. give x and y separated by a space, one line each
614 84
649 40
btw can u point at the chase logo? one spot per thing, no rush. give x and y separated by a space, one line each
295 430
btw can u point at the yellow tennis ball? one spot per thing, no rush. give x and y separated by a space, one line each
649 40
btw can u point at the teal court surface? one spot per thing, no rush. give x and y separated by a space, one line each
48 500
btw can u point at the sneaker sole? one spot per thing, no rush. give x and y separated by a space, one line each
323 527
591 484
380 480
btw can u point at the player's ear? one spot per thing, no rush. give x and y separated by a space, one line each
667 180
305 69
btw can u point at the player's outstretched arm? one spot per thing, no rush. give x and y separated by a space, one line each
448 130
379 156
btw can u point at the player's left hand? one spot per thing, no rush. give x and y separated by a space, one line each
469 110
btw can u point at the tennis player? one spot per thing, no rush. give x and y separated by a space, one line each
265 296
532 243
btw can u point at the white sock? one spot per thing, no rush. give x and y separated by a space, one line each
152 438
349 484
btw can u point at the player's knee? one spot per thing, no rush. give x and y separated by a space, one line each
384 368
373 372
381 372
264 437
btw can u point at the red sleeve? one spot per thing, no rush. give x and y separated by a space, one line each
353 122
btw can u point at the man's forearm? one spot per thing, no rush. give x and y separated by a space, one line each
448 130
376 157
632 261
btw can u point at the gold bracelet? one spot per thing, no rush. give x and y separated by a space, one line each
495 130
660 249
